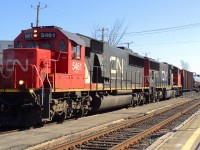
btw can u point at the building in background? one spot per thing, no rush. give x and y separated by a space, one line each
3 45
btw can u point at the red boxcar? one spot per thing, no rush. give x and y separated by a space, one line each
187 80
176 76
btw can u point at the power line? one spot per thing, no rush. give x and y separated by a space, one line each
161 30
168 43
182 27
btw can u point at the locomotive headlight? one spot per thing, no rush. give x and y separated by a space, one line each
21 82
35 35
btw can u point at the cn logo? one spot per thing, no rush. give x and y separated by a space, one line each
11 62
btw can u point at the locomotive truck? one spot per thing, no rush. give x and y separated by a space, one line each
52 74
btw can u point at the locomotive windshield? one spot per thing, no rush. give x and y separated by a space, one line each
47 45
44 45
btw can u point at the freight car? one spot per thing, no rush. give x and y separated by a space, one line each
52 74
187 80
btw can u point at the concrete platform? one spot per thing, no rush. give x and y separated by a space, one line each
23 139
185 137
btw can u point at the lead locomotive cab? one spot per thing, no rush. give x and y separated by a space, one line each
38 74
67 52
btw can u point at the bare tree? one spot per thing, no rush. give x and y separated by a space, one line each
113 35
95 31
117 32
185 65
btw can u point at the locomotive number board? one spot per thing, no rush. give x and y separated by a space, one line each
47 35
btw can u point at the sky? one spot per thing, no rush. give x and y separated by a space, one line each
173 25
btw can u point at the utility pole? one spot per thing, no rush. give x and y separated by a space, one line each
38 13
102 30
128 43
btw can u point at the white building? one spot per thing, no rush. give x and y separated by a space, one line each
3 45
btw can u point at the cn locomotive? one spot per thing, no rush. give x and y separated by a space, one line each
52 74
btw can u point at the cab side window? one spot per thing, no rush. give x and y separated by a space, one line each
76 51
62 46
19 44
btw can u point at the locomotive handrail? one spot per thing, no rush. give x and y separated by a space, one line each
124 82
48 78
136 81
57 58
40 81
43 82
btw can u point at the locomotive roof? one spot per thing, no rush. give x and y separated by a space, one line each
87 39
74 37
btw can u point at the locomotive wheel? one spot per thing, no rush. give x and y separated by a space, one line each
140 99
147 99
84 111
78 113
133 103
85 105
61 117
157 98
69 113
141 102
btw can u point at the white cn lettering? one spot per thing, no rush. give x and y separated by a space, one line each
16 61
118 66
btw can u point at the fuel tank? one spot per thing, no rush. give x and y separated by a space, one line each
111 101
169 94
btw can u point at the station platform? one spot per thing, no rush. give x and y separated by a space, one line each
184 137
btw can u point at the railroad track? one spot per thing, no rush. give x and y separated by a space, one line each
130 134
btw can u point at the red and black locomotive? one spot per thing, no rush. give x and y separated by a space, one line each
52 74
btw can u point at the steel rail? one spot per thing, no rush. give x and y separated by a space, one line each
126 144
75 144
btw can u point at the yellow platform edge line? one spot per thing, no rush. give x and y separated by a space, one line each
190 142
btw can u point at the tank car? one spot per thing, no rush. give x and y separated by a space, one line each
52 74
